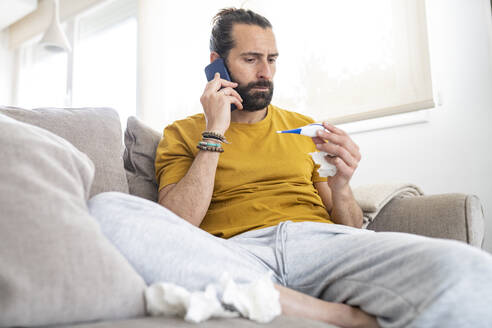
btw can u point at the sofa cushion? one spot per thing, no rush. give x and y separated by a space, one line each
94 131
55 264
282 321
141 142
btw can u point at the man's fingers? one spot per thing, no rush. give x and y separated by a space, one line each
318 140
217 83
340 152
226 83
334 129
236 102
342 168
233 96
231 92
341 140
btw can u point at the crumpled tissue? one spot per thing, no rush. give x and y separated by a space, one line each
326 169
258 300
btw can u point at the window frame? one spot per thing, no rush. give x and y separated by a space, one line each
124 9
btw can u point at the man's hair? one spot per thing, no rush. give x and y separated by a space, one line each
221 40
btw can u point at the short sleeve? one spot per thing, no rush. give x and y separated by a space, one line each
173 157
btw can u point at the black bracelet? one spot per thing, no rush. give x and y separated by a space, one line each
214 135
210 148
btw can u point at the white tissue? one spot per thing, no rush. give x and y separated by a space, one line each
170 300
326 169
258 301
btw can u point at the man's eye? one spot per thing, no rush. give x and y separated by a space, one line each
272 60
250 60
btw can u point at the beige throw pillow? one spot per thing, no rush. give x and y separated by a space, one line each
141 142
56 266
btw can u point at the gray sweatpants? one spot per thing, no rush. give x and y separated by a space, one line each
404 280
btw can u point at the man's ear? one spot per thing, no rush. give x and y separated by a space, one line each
213 56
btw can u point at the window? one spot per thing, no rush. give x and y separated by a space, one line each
42 77
105 71
99 72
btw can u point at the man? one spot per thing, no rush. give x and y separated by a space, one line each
266 208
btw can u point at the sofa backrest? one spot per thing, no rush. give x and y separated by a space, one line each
94 131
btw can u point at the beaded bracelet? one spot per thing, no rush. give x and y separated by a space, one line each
210 148
214 135
212 140
203 143
216 139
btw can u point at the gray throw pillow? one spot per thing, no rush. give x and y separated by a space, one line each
141 143
56 266
94 131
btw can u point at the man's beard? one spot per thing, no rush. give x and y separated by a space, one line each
255 100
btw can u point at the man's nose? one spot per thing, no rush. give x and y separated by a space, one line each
264 71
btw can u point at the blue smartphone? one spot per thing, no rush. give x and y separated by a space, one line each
218 65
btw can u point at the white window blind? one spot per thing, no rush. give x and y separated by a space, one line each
341 61
353 60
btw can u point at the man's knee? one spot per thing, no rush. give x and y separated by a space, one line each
457 284
451 261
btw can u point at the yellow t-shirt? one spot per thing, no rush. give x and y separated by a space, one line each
262 178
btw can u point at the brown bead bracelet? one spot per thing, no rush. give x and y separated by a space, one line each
210 148
214 135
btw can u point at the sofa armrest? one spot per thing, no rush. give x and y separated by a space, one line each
452 216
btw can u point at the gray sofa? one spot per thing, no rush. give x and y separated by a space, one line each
56 267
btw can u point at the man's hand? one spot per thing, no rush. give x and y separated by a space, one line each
216 103
346 155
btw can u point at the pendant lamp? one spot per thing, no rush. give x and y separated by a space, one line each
55 39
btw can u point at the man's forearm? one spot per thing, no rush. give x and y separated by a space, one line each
345 209
190 197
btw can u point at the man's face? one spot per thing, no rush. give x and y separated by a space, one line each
251 64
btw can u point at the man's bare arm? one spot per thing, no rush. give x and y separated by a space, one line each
336 193
342 206
191 196
345 209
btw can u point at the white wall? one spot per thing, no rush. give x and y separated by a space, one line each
453 151
6 64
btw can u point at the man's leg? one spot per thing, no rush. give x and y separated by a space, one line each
405 280
261 244
163 247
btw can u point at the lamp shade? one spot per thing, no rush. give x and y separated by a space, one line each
54 38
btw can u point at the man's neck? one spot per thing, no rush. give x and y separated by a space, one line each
243 116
